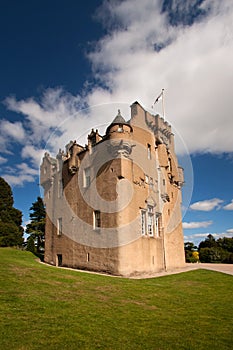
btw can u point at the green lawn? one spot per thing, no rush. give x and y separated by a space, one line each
42 307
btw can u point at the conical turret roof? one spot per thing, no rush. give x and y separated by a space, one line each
117 121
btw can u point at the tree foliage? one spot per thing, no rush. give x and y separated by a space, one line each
11 231
36 228
31 245
191 253
211 250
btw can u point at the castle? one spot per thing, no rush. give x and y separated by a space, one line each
114 205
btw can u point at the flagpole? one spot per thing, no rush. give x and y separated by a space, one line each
163 104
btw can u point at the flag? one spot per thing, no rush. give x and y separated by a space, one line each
158 98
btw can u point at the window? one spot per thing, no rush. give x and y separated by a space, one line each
59 226
151 183
60 189
96 220
169 164
59 259
157 226
146 179
120 128
150 221
87 177
143 222
148 151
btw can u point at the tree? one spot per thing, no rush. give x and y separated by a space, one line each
209 242
212 255
191 254
36 228
11 231
31 245
226 243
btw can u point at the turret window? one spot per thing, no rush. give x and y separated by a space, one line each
96 220
148 151
120 128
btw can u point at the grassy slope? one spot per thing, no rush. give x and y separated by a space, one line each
42 307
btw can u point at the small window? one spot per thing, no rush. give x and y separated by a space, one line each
169 164
59 259
148 151
143 222
120 128
151 183
96 219
157 225
150 221
163 182
60 189
87 177
59 226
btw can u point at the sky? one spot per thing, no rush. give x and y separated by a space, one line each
67 66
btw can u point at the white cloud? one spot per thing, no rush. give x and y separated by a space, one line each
25 169
194 66
196 73
44 116
13 130
230 230
20 174
206 205
229 206
18 180
34 154
198 237
2 160
192 225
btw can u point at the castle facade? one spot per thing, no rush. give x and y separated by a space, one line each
114 205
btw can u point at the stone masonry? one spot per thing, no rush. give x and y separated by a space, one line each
115 205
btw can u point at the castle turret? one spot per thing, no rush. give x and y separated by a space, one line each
119 127
119 132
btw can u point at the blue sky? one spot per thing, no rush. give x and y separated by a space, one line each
58 57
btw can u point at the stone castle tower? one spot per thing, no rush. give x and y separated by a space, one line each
115 205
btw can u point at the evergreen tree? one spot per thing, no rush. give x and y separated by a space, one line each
36 228
31 245
11 231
